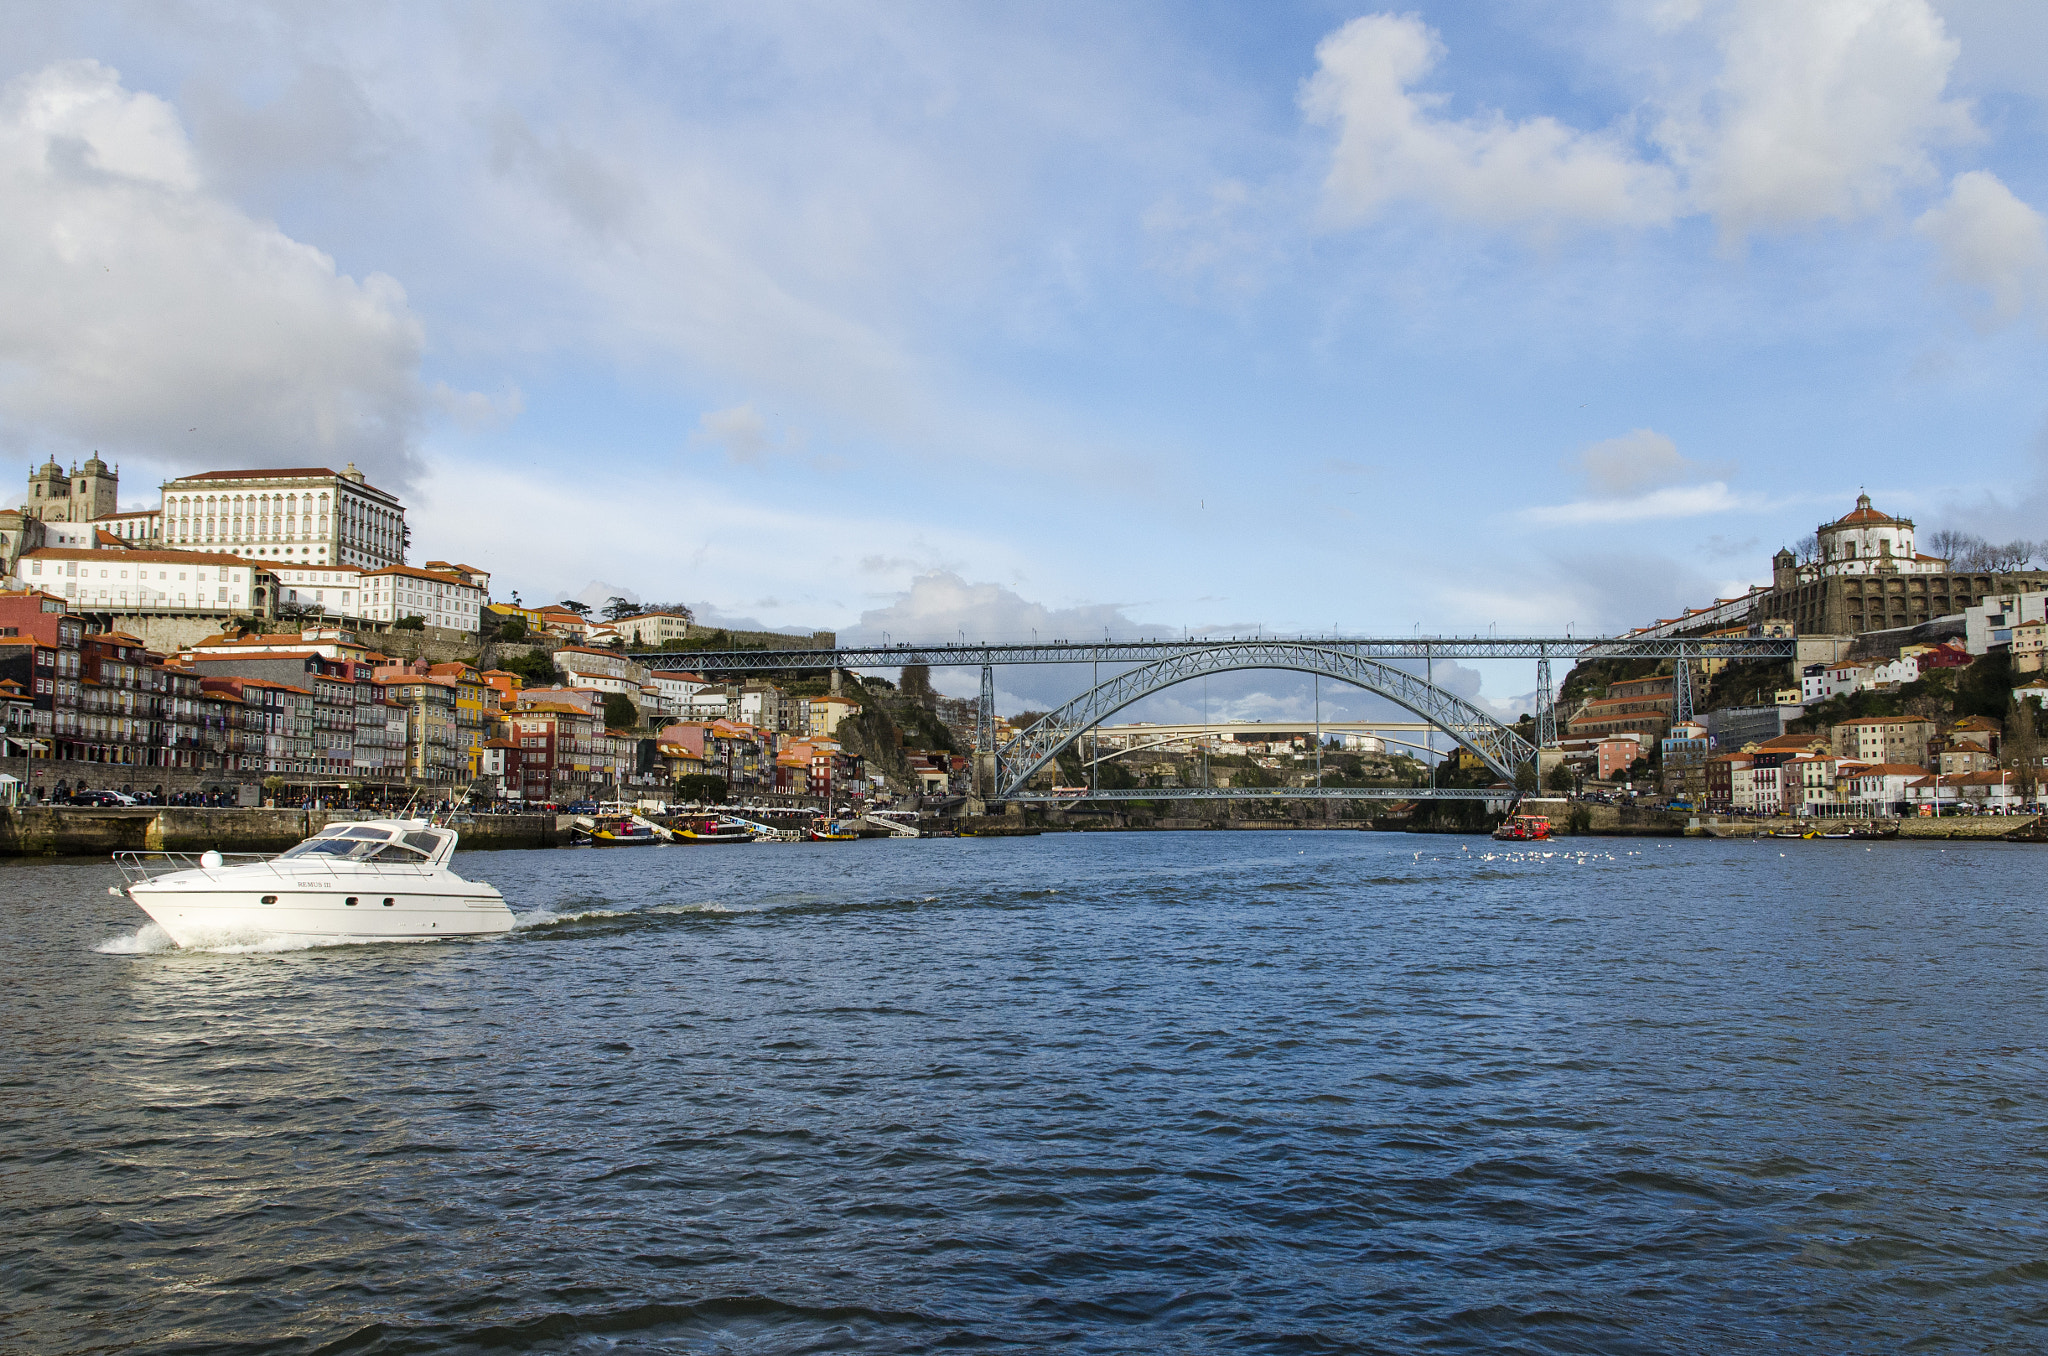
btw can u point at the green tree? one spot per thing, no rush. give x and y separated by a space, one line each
1561 778
2021 749
917 685
701 786
513 630
1525 778
535 666
619 712
414 623
1985 687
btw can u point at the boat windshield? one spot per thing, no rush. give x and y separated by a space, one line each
349 848
361 842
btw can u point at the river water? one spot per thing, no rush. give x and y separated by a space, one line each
1286 1092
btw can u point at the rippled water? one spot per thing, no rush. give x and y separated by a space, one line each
1174 1092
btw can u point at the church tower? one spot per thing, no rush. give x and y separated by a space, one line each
49 493
1784 570
95 491
88 492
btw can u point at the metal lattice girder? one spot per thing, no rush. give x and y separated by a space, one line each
1497 746
985 712
1146 651
1546 707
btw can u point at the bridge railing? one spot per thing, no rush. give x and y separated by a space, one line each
964 655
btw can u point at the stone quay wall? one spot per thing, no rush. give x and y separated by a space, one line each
43 775
72 831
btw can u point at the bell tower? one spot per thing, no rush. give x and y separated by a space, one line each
1784 570
95 491
49 493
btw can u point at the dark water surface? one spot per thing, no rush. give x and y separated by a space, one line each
1173 1092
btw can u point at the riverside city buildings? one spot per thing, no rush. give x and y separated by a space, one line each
1867 574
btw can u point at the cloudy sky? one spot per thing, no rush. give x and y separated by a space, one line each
978 319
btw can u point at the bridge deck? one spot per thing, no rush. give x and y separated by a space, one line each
1146 651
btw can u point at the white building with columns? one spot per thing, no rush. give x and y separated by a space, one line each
308 516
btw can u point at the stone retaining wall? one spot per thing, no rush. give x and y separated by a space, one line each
78 832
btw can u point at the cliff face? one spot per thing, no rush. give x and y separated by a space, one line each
890 724
873 737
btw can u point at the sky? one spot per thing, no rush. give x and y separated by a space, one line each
1075 319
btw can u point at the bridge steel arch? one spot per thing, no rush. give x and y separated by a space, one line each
1494 743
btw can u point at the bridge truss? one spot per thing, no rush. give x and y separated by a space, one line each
1368 662
1499 747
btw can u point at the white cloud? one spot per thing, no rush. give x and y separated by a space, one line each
597 593
1636 462
1993 243
1813 111
1392 146
1678 501
940 605
739 431
1638 477
1821 110
474 410
713 550
144 314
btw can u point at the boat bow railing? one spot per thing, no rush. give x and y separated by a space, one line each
136 867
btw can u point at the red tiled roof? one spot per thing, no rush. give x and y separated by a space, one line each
257 474
411 573
136 557
1864 513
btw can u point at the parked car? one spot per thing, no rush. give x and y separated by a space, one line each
581 807
101 798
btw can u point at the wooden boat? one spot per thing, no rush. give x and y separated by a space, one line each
833 833
712 831
1524 829
614 833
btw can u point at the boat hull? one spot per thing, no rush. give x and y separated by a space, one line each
197 916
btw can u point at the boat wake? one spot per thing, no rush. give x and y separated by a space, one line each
549 918
152 940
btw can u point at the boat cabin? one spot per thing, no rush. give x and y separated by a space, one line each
387 842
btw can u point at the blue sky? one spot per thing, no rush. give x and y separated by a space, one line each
988 318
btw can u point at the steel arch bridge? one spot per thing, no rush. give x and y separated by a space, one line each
1500 748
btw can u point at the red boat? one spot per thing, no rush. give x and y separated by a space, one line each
1523 829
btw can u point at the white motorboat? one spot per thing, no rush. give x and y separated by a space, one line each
379 880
